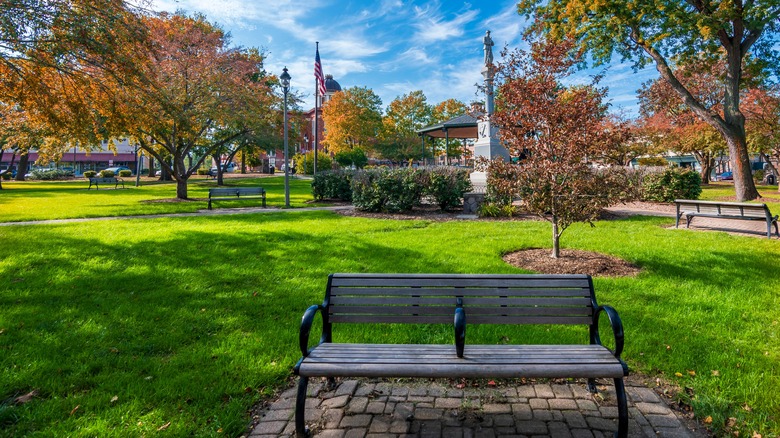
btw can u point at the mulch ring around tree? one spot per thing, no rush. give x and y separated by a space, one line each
571 261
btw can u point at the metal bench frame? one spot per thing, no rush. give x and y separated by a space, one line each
459 299
236 193
96 181
725 210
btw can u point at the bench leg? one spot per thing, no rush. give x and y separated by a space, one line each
688 220
209 204
592 386
300 409
622 405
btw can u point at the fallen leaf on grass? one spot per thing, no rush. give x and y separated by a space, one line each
731 422
491 383
164 426
692 373
678 374
747 407
756 434
707 420
74 410
22 399
715 373
114 399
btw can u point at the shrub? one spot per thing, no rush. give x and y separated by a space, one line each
333 184
670 184
758 176
446 185
304 163
355 157
106 173
202 171
90 174
124 173
51 174
7 176
387 190
493 209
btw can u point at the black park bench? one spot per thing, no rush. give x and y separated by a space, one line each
460 300
236 193
725 210
97 182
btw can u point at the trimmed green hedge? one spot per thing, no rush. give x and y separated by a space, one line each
673 183
333 184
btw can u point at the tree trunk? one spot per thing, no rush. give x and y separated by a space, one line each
181 188
744 185
243 162
556 252
21 169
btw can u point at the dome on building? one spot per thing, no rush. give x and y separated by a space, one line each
331 85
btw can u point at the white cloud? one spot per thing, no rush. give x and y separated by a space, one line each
431 25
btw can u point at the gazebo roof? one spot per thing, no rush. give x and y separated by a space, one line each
464 126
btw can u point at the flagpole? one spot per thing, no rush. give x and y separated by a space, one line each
316 114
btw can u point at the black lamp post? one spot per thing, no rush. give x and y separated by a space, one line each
285 78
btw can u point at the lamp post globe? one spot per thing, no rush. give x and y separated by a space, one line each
285 80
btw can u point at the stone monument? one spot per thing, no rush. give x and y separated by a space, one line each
487 144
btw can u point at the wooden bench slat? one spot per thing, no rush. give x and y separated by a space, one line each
472 371
463 292
462 282
472 310
382 302
447 319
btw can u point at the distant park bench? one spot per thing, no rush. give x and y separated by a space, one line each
105 181
455 299
726 210
236 194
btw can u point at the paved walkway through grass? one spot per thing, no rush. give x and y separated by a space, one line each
736 227
421 408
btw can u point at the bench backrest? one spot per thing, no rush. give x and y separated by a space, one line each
487 299
103 180
739 209
236 191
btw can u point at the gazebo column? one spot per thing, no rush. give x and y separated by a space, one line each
446 147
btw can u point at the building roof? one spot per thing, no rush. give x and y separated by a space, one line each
464 126
331 85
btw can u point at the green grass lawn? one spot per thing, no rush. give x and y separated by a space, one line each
39 200
122 327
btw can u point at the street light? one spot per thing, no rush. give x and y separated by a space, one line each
285 78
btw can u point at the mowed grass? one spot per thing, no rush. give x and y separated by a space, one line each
178 326
40 200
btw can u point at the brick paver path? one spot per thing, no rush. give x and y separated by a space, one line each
380 408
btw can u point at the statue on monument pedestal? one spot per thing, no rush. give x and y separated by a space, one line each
488 42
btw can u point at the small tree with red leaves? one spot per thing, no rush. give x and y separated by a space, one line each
557 127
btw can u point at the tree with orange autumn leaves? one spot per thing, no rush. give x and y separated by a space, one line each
353 118
556 128
666 117
192 95
52 55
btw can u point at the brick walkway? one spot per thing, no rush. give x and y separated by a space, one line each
380 408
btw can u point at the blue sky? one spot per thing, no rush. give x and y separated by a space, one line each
391 46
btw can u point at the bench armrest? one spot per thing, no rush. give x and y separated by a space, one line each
617 328
460 328
306 322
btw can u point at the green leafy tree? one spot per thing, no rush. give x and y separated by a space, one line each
404 116
669 32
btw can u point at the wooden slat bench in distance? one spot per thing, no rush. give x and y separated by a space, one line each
236 194
458 300
725 210
97 181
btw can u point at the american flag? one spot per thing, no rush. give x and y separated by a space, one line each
318 73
